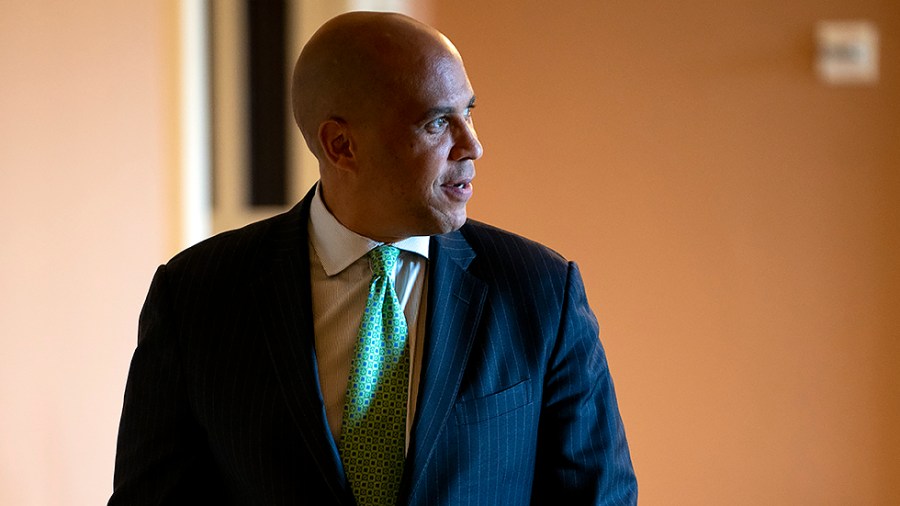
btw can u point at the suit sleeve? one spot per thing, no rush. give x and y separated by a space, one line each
161 456
583 456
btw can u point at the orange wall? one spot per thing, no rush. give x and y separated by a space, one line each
737 223
83 176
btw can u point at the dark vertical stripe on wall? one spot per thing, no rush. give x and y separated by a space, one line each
266 78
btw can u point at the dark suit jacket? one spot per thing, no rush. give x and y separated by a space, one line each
516 403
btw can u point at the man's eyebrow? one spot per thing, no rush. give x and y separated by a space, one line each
440 111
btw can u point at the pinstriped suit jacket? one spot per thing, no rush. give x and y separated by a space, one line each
516 404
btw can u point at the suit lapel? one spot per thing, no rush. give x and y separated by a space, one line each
283 297
455 303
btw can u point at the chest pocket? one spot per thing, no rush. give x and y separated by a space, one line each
494 405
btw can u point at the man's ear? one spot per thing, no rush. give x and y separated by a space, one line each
337 143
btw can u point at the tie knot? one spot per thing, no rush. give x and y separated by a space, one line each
383 259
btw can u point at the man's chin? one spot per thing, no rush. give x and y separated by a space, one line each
436 223
445 224
453 222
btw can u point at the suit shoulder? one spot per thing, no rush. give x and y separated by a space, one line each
230 251
504 248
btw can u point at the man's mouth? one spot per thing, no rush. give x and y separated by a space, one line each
459 183
459 189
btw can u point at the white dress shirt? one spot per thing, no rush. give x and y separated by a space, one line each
340 277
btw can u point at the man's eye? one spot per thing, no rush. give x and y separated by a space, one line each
437 124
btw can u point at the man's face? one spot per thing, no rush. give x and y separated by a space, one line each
416 157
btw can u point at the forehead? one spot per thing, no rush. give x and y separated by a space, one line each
439 81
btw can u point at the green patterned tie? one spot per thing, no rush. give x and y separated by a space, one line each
373 429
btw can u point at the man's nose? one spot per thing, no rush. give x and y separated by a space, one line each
466 146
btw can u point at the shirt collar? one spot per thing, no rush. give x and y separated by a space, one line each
338 247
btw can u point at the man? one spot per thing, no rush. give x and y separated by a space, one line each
249 386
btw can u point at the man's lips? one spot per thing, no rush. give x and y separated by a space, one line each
460 184
459 189
461 179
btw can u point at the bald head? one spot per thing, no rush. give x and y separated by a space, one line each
355 62
384 103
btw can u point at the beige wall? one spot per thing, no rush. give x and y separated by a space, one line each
83 152
735 219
